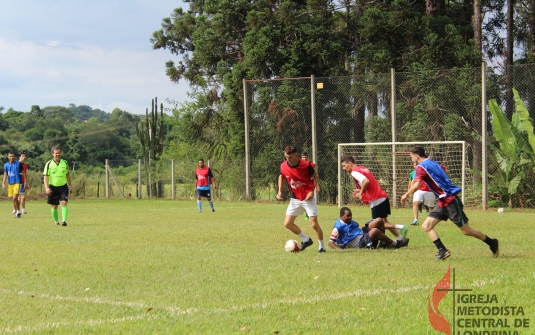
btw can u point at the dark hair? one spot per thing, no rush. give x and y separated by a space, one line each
348 158
304 154
22 152
200 160
54 148
418 150
11 152
290 149
343 210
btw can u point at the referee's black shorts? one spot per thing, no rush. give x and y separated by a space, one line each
59 193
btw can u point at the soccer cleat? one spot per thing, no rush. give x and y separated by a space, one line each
495 247
414 223
306 217
322 250
57 223
306 244
13 212
18 215
24 212
404 231
402 243
64 223
443 254
213 210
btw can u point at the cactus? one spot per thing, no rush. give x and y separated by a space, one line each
150 133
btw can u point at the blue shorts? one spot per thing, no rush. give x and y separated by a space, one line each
203 193
21 189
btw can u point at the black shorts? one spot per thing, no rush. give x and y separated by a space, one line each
382 210
203 193
364 241
59 193
454 212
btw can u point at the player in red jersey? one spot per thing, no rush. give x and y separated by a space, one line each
203 180
25 184
370 192
302 179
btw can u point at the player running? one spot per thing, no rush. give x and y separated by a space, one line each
449 205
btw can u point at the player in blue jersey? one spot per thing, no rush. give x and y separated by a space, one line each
449 205
347 234
12 170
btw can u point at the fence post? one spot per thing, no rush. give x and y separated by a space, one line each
139 187
247 144
394 134
107 179
484 168
173 191
313 125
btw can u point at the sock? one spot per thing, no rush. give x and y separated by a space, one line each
399 238
438 244
488 240
322 246
64 212
211 204
394 243
54 212
399 226
303 237
23 209
199 205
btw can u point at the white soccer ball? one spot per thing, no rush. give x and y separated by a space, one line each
292 246
501 210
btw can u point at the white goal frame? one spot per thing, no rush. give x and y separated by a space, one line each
394 194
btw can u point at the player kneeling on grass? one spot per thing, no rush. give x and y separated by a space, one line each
347 234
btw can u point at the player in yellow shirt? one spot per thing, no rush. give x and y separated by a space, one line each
58 184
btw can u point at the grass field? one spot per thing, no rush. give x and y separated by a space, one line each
160 267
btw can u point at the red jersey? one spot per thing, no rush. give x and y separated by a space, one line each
374 190
299 178
25 169
204 176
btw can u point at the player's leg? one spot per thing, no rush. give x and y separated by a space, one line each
437 215
382 210
199 200
53 200
457 216
209 198
417 200
63 199
22 199
294 209
415 209
16 200
311 209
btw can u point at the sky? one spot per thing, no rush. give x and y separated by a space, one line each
96 53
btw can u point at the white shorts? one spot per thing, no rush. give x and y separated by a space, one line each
298 207
428 198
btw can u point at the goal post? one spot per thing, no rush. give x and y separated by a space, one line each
391 165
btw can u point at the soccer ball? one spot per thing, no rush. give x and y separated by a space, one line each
292 246
501 210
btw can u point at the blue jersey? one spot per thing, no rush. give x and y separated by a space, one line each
436 178
345 232
13 172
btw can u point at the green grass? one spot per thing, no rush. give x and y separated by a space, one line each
160 267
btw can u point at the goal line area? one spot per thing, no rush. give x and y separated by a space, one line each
391 165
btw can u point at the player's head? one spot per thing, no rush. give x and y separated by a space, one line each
56 152
348 162
11 156
22 156
290 152
304 156
200 163
417 153
345 214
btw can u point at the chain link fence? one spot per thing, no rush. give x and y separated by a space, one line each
315 114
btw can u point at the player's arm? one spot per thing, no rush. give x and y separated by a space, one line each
4 180
414 187
333 238
45 181
316 180
358 192
212 179
279 194
69 181
26 181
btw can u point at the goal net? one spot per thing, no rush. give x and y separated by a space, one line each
391 165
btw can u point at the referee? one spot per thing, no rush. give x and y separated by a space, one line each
58 184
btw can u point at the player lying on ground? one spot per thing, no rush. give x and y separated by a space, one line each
347 234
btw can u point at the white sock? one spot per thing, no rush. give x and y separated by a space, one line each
394 243
322 246
399 238
399 226
303 237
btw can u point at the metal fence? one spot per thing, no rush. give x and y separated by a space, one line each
315 114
